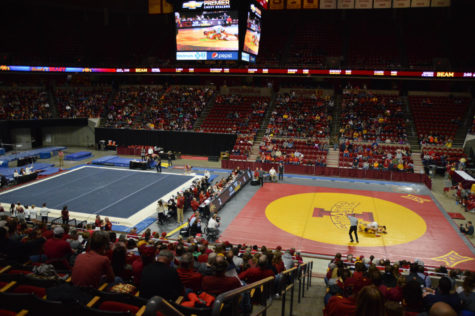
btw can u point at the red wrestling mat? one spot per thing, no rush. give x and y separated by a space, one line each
456 215
313 220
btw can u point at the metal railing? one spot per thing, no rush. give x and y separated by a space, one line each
158 304
260 292
261 295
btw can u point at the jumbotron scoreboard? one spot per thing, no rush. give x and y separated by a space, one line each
218 29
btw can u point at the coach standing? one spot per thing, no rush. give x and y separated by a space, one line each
261 177
353 227
281 171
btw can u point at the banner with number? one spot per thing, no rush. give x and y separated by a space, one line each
364 4
401 3
327 4
441 3
346 4
276 4
294 4
167 7
310 4
154 6
382 4
420 3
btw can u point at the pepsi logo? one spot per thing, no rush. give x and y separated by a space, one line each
214 55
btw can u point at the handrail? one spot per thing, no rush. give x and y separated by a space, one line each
287 282
158 304
265 286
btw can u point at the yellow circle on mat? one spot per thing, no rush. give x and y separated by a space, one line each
322 217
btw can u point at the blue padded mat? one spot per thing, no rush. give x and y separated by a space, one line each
8 172
49 171
78 156
95 190
30 153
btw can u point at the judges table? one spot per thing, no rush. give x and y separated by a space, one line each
466 179
135 164
26 178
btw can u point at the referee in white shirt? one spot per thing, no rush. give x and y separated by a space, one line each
353 227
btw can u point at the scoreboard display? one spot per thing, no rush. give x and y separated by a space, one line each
253 30
207 30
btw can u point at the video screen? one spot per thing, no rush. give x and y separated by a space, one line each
253 31
207 31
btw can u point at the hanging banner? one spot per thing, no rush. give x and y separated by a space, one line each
346 4
401 3
420 3
441 3
276 4
310 4
327 4
154 7
382 4
167 7
363 4
294 4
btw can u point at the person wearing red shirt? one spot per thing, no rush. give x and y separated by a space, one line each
203 258
147 256
219 283
91 266
65 215
194 204
260 272
188 276
108 224
98 222
56 248
180 203
203 197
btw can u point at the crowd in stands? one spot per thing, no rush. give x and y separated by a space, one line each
148 264
369 117
24 104
82 102
376 156
442 156
311 151
242 147
180 107
368 286
301 117
153 107
437 118
129 105
236 114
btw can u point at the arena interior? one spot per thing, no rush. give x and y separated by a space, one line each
332 176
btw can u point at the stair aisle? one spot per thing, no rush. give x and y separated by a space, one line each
333 158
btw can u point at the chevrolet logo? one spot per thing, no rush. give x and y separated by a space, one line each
192 5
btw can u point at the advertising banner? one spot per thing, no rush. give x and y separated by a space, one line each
276 4
363 4
420 3
310 4
346 4
154 7
327 4
441 3
294 4
401 3
166 7
382 4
